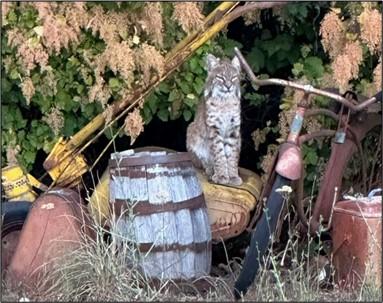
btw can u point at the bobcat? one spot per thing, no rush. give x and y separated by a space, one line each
213 138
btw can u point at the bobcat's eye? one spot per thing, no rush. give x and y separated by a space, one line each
220 79
235 78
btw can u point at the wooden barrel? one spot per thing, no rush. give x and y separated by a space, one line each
170 221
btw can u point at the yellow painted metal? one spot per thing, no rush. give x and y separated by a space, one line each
16 184
228 206
99 200
65 168
36 183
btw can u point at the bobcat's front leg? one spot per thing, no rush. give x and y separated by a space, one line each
219 164
232 151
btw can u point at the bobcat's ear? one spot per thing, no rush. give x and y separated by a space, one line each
235 62
211 61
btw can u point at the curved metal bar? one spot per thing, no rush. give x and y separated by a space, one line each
299 200
320 133
321 111
364 169
306 88
313 224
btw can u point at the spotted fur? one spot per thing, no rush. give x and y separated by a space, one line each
213 138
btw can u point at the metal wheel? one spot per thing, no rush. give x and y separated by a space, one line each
13 216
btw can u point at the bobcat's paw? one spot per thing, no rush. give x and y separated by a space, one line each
220 179
236 180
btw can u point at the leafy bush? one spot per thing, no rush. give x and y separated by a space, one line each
63 63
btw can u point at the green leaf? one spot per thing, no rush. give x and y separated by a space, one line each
12 17
174 95
187 114
146 114
80 88
198 85
313 67
29 156
228 47
164 88
256 59
40 130
152 102
298 69
284 42
88 110
189 77
69 125
33 141
14 74
64 100
30 23
88 80
193 63
163 114
255 99
114 83
270 47
311 156
185 88
21 135
6 86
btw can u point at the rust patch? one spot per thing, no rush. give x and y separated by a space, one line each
289 163
357 242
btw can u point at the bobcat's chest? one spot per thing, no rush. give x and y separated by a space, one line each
224 117
227 122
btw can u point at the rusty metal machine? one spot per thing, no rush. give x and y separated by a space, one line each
357 241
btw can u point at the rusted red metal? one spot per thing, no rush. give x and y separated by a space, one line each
144 208
357 242
289 163
340 155
56 224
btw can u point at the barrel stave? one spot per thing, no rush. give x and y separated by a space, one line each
176 232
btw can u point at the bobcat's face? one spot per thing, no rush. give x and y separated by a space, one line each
223 77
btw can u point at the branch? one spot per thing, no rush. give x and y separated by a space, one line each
249 6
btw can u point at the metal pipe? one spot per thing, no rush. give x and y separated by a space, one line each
309 89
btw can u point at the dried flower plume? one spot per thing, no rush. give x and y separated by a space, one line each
345 66
148 59
134 125
188 15
151 22
370 21
55 119
378 75
28 89
332 32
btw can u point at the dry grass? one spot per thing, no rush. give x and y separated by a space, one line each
102 270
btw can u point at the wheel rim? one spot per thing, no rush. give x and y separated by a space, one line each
9 240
